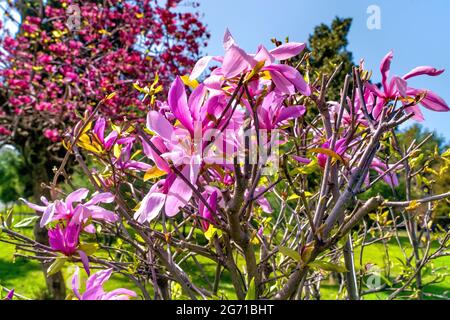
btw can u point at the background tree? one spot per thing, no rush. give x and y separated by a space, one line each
13 173
59 65
328 48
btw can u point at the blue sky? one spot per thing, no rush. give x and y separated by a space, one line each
418 31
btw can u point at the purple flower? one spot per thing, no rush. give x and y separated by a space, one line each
66 239
397 88
236 61
94 287
10 295
79 213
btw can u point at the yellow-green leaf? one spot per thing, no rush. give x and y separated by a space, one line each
328 152
189 82
251 292
153 173
327 266
412 205
89 248
209 234
56 266
290 253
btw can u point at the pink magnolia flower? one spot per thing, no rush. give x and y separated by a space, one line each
340 148
99 131
94 287
10 295
381 167
272 113
52 135
262 201
125 161
78 214
180 145
397 87
236 61
204 211
4 131
65 239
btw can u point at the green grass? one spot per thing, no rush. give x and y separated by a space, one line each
26 277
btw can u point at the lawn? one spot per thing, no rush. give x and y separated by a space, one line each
26 277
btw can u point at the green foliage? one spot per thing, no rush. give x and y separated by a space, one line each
328 47
13 175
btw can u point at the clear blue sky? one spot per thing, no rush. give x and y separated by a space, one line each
418 31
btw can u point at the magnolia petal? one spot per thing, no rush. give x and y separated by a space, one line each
287 79
434 102
287 50
402 86
418 115
301 159
196 101
178 104
99 129
152 154
34 206
264 204
157 123
228 40
423 70
76 196
200 67
10 295
385 67
179 193
99 213
150 207
76 282
104 197
119 294
96 281
85 261
47 216
291 113
235 62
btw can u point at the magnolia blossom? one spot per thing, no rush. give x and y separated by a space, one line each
94 287
181 145
74 210
65 239
236 61
10 295
184 144
397 88
272 113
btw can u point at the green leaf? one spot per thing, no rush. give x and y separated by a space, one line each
26 222
327 266
88 248
251 292
290 253
9 219
56 266
446 154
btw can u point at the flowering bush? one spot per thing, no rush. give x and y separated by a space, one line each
227 171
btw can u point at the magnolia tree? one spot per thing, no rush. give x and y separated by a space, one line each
68 55
225 181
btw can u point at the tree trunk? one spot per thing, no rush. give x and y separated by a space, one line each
55 283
